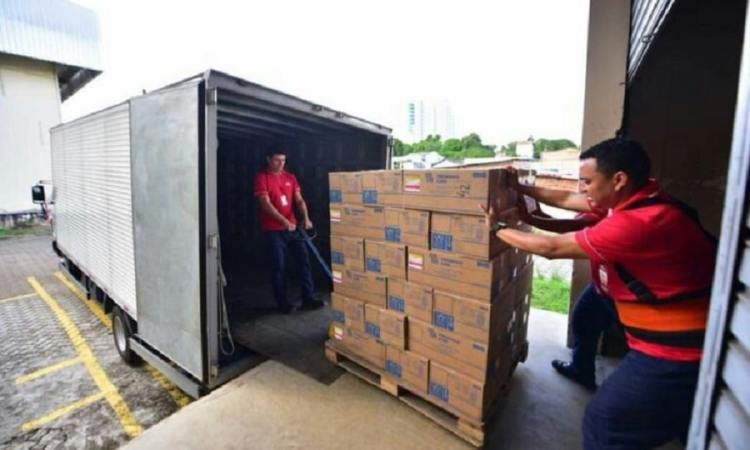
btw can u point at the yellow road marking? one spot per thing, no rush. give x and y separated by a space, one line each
177 395
56 414
47 370
111 394
18 297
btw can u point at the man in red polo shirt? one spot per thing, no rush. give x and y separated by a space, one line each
277 192
652 258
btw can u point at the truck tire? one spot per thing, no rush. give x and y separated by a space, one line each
121 332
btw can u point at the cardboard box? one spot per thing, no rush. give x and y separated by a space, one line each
354 313
407 369
362 345
345 188
457 190
476 278
382 187
407 226
470 398
461 353
338 306
357 221
385 258
365 286
520 258
393 328
524 281
476 320
372 321
415 300
463 234
348 252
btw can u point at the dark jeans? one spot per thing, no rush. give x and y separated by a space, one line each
278 243
645 403
592 315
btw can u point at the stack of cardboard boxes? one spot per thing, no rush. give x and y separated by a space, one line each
422 290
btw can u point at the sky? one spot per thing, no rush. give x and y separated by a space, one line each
508 68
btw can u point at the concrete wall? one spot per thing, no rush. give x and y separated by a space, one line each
606 59
681 102
29 107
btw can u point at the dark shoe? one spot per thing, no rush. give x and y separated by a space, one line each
567 370
312 303
287 309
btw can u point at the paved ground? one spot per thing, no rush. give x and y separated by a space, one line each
62 383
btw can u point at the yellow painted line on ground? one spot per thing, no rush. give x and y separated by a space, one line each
47 370
177 395
56 414
111 394
17 297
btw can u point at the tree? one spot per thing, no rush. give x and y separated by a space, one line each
548 145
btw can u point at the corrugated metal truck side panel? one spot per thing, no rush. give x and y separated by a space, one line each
93 200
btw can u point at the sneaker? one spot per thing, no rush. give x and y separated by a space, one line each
312 303
567 370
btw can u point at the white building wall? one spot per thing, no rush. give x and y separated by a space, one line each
29 107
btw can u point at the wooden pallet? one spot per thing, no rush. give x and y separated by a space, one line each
470 430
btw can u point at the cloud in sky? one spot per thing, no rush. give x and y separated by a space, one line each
508 68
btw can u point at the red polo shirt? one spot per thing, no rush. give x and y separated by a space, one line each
280 189
660 246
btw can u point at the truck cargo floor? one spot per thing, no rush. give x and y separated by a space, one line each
296 340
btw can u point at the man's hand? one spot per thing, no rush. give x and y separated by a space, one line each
489 216
290 226
308 224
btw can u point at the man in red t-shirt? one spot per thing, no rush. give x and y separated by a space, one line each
277 192
652 258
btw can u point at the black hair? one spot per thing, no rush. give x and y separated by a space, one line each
620 154
275 149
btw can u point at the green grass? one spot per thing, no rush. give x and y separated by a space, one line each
551 294
22 229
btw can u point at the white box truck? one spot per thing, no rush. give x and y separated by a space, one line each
153 202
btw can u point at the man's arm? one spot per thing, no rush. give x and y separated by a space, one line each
303 209
543 221
572 201
265 203
552 247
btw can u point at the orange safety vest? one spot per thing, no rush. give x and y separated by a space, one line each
677 321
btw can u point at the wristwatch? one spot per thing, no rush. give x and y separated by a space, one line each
498 226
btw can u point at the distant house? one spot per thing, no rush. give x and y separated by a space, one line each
525 149
421 160
48 51
559 162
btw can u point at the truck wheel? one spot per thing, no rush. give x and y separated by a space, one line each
121 334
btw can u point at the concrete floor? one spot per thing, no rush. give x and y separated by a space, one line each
47 411
273 406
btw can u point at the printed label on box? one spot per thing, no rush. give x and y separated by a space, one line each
336 215
338 333
373 265
396 303
416 261
335 196
339 316
393 368
413 184
439 391
337 258
370 197
337 277
442 241
443 320
393 234
372 329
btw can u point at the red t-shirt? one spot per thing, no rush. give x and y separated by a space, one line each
660 246
280 189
